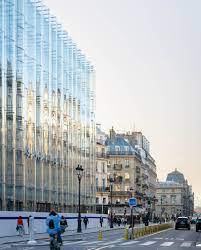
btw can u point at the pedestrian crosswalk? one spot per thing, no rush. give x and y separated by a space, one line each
122 243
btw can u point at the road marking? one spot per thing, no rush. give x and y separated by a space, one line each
198 245
167 244
109 246
158 238
186 244
129 243
111 242
74 242
148 243
91 242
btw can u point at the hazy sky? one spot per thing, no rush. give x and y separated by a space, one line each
147 56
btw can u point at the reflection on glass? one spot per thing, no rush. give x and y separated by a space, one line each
47 115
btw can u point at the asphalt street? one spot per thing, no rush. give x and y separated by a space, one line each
171 239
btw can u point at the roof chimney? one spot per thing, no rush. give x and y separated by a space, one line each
112 134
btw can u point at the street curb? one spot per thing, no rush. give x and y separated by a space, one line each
64 236
146 236
30 245
39 244
14 242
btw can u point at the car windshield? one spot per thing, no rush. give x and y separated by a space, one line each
199 220
182 219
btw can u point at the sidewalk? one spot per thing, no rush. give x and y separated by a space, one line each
76 236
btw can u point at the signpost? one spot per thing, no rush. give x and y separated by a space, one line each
132 204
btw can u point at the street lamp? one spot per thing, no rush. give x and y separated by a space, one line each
111 215
79 171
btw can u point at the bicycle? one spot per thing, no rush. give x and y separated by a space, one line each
54 243
21 230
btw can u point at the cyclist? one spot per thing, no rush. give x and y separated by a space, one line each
53 225
20 226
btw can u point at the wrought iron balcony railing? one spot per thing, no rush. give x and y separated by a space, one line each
100 155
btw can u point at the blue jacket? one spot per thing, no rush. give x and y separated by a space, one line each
56 220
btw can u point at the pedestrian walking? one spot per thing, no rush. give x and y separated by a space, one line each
28 223
86 221
63 224
119 221
101 221
20 226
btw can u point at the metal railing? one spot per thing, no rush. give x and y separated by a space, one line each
101 155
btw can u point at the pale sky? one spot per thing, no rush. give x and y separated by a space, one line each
147 55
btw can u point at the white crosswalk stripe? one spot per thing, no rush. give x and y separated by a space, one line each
111 242
148 243
186 244
90 243
120 242
74 242
129 243
167 244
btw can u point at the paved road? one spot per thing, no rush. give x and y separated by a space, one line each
170 239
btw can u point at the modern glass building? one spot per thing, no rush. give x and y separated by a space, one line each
47 120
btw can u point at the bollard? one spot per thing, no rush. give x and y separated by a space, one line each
100 235
136 234
126 233
131 234
31 231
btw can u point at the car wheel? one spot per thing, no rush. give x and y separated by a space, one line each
176 228
189 228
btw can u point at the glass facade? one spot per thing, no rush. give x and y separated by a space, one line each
47 119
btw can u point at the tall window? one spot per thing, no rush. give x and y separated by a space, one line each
96 182
126 163
97 166
103 167
173 199
103 181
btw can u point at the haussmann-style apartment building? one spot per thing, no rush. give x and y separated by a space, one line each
133 171
47 120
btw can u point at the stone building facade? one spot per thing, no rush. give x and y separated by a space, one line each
102 191
132 168
169 197
174 196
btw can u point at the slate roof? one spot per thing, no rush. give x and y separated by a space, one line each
176 176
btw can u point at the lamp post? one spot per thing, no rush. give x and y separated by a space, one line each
111 213
132 221
79 171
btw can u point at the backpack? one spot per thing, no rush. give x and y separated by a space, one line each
51 224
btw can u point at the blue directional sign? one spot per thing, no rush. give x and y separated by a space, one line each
132 202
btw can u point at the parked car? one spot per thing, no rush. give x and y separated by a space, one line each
182 222
198 224
193 220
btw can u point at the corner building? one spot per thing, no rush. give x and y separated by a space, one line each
47 120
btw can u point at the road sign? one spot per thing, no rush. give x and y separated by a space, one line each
132 202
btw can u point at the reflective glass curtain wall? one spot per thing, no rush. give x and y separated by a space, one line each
47 120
